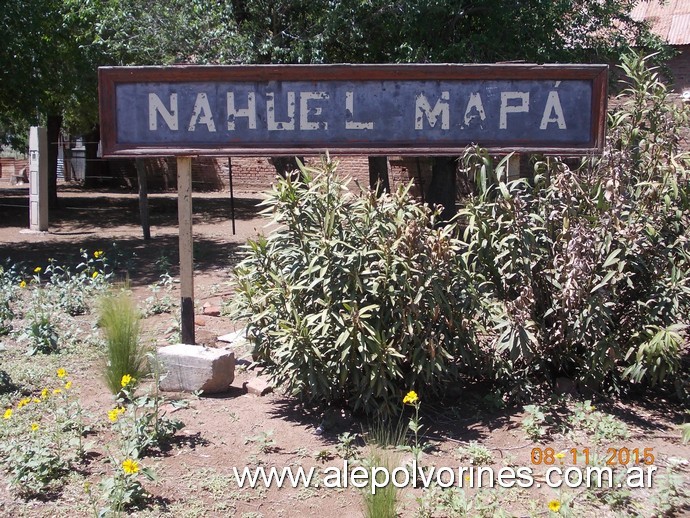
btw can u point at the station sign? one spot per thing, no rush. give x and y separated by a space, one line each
434 109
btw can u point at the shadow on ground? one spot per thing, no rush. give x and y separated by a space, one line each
106 210
134 258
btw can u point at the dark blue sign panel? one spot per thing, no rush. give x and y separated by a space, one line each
413 109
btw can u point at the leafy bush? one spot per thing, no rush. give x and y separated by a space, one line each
9 282
580 272
585 273
42 439
74 290
125 355
354 298
42 334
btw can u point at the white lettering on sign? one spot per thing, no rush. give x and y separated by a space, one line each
475 103
201 114
553 105
350 123
274 125
423 108
313 109
304 111
156 107
506 108
249 111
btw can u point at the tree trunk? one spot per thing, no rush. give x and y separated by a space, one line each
442 187
95 170
53 131
378 174
287 165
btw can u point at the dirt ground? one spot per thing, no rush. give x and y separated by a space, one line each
195 474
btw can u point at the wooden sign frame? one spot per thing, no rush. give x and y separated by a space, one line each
454 98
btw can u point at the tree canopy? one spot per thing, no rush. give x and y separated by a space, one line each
53 48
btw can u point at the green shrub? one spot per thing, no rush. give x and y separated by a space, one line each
9 284
125 355
42 334
581 272
354 298
585 273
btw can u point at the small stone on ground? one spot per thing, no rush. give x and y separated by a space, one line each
258 386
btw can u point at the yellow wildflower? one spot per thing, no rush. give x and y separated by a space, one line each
130 466
22 284
98 254
94 274
23 402
115 413
44 393
8 413
57 391
61 373
68 385
560 455
410 398
34 427
554 505
38 269
126 380
36 400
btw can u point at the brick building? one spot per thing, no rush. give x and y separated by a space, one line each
670 20
256 174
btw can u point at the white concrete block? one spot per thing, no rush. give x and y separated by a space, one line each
189 368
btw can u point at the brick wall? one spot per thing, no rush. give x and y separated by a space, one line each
10 166
257 174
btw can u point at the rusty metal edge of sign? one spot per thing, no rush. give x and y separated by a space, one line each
109 77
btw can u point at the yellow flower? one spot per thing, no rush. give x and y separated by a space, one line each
57 391
61 373
94 274
68 385
410 398
115 413
44 393
554 505
126 380
23 402
38 269
130 466
22 284
36 400
34 427
98 254
8 413
560 456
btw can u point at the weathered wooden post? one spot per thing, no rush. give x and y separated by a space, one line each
38 179
184 212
